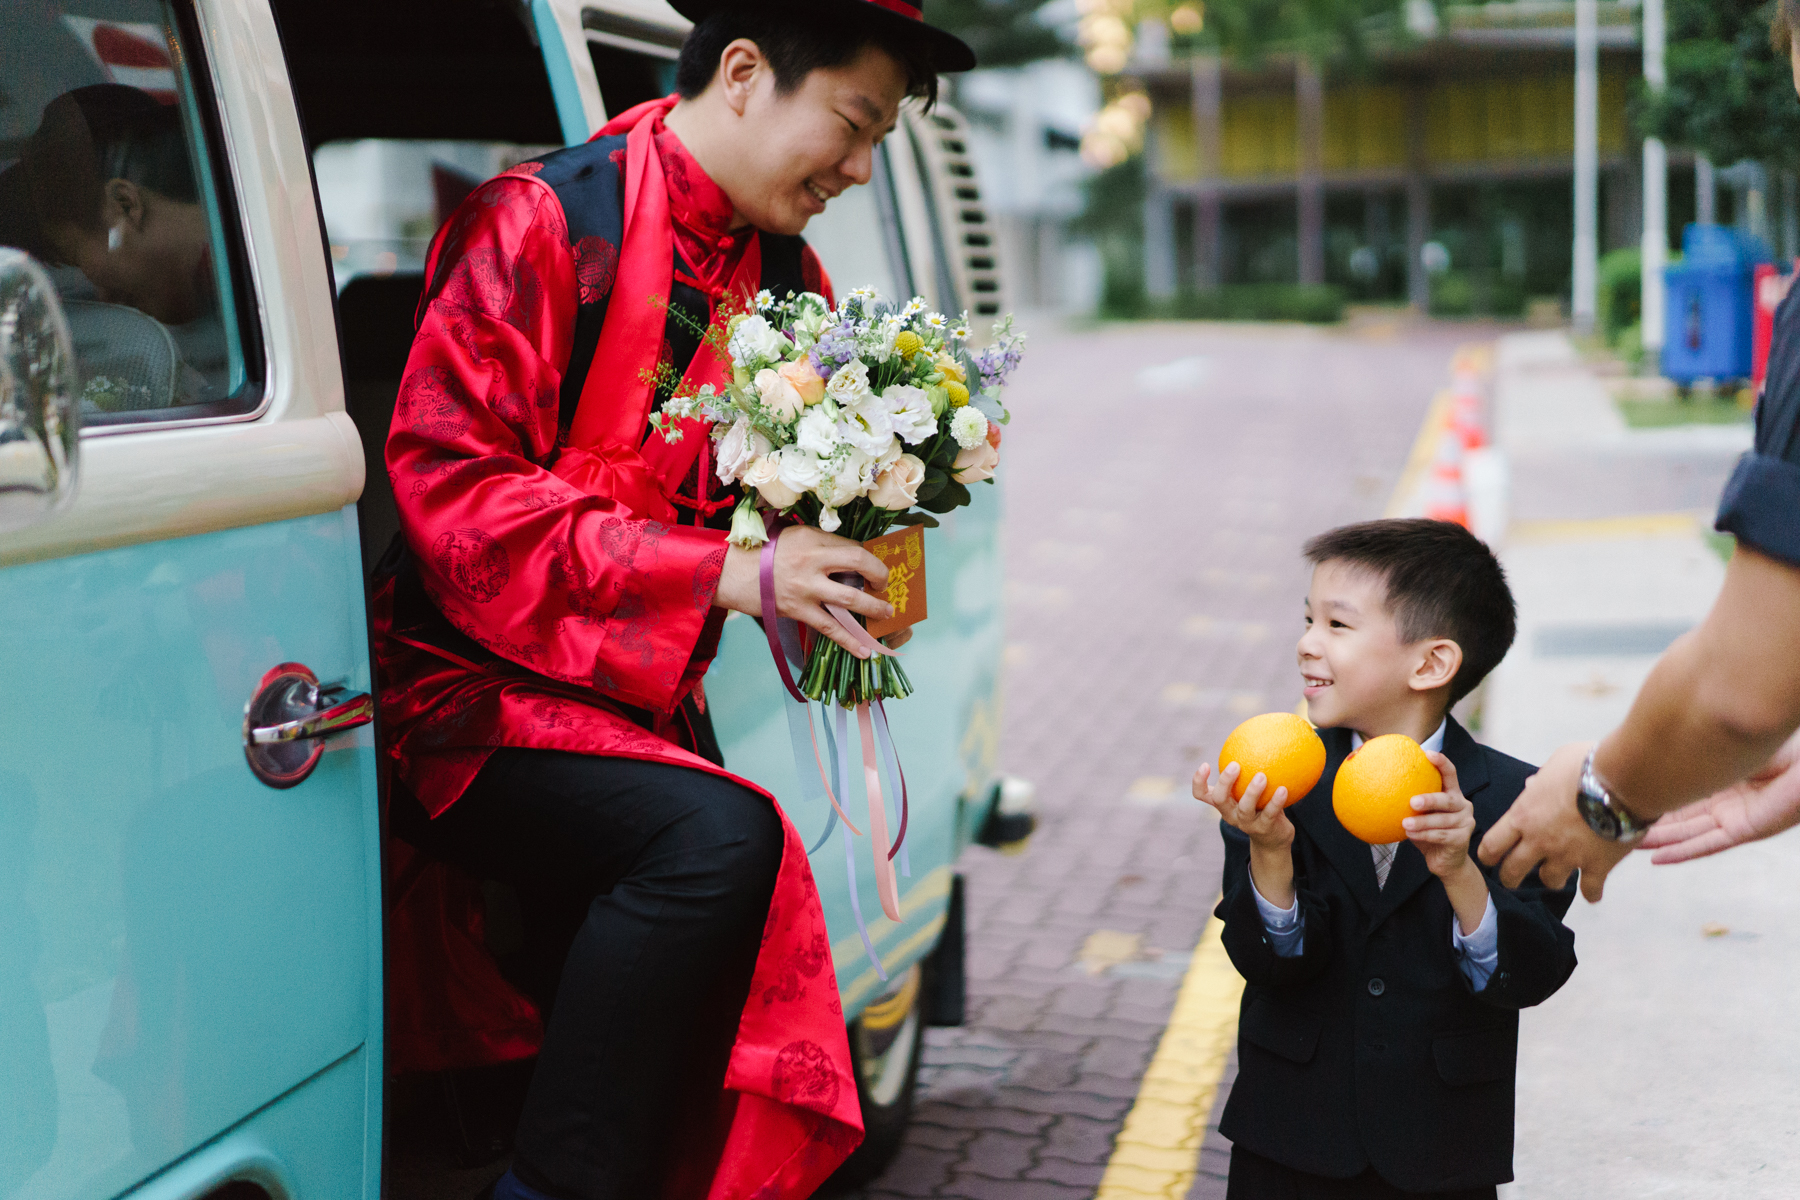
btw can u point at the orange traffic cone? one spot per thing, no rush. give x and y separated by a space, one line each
1465 416
1445 497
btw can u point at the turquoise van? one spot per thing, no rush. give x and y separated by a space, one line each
214 214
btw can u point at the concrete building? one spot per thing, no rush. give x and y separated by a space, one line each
1440 170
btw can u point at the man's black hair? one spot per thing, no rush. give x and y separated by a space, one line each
1783 26
1442 582
797 40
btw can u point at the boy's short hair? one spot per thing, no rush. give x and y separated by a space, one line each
1783 26
1442 581
797 39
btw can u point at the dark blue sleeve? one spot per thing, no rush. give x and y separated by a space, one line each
1761 501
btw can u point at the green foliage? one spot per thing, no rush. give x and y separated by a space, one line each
1730 96
1245 30
1003 33
1319 304
1467 294
1113 218
1621 293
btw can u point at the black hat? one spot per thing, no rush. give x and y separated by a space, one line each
902 18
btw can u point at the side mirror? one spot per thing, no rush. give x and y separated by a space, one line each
40 417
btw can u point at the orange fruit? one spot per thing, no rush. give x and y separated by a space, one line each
1375 786
1281 746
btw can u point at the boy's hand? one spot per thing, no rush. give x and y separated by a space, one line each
1267 830
1443 824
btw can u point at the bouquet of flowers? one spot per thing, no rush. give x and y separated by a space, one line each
851 419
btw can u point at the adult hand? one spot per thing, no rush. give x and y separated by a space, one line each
1759 807
805 560
1544 829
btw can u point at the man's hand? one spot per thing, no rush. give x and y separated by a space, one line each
1761 806
1544 829
1444 824
805 560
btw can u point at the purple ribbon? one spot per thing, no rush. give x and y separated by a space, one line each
772 620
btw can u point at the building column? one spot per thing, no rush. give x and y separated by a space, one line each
1584 303
1208 103
1706 192
1418 201
1309 97
1655 244
1159 244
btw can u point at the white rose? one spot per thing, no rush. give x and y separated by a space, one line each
852 479
756 340
817 433
867 425
968 427
765 476
740 446
849 382
897 488
779 396
800 471
909 410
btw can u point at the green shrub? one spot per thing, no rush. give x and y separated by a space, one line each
1621 293
1316 303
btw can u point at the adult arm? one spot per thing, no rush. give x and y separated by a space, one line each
1761 806
1718 704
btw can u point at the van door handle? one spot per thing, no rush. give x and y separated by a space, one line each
287 720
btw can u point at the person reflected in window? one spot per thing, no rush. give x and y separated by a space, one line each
111 191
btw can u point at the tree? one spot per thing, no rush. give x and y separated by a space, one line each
1003 33
1730 96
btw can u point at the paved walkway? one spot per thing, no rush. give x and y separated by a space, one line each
1666 1066
1161 480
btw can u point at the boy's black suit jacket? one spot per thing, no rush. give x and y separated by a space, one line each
1370 1049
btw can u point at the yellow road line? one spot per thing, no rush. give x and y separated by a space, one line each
1675 524
1158 1149
1157 1152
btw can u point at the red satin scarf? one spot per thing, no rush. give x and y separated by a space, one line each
608 454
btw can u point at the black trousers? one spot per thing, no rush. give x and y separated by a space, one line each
1254 1177
643 889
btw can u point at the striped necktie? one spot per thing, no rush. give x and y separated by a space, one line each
1384 861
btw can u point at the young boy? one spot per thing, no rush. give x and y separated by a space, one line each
1379 1029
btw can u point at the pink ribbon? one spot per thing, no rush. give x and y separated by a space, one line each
885 884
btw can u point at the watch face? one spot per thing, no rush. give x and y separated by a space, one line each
1601 819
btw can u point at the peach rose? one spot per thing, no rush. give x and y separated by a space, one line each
897 488
806 381
779 396
976 463
765 476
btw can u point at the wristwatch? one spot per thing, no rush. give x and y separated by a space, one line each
1602 810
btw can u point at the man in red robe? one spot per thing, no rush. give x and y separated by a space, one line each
558 592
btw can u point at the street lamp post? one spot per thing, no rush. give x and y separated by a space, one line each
1587 163
1656 190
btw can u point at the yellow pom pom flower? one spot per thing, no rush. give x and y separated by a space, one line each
959 395
908 344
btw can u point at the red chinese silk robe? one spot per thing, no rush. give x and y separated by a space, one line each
583 610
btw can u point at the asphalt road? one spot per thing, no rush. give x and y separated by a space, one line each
1160 480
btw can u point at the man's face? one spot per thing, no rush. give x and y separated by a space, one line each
817 140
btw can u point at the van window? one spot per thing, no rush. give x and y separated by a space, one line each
111 176
383 199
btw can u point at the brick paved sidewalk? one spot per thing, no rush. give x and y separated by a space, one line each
1152 537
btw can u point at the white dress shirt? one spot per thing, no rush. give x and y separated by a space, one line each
1477 953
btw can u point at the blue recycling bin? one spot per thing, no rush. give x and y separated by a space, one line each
1708 308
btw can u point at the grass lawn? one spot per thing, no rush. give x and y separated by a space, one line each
1695 410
